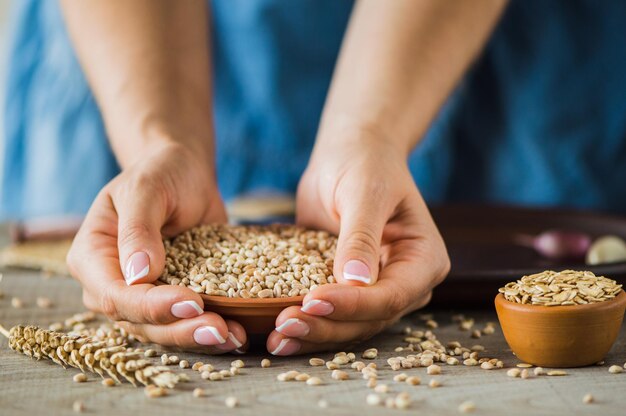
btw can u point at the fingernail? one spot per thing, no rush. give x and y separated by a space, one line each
293 327
286 347
186 309
208 335
356 270
318 307
137 266
231 344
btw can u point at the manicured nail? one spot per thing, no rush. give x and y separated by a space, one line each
208 335
293 327
231 344
318 307
137 266
186 309
287 347
356 270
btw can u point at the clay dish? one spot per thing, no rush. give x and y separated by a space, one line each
561 336
256 315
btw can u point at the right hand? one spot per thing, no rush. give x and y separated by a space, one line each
118 251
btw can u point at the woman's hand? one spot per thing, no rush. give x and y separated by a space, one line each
389 255
118 252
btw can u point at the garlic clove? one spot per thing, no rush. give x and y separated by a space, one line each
606 249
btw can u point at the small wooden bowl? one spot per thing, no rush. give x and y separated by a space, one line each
256 315
561 336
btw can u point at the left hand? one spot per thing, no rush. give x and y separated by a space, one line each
389 256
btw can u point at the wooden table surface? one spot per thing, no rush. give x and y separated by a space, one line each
28 387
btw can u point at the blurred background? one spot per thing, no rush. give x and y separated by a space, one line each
4 24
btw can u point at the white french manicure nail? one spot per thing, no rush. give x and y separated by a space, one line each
357 270
137 266
349 276
234 340
281 345
287 323
216 334
309 305
208 335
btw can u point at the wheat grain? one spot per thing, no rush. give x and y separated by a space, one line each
250 261
89 354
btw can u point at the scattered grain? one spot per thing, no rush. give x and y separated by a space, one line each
314 381
370 353
231 402
198 392
153 392
373 399
79 378
108 382
381 388
513 372
331 365
43 302
316 362
413 380
400 377
265 363
403 401
588 399
433 369
487 366
434 383
302 377
615 369
556 373
467 407
78 406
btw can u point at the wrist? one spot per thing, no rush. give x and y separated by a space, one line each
154 134
344 133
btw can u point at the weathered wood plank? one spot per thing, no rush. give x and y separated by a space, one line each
28 387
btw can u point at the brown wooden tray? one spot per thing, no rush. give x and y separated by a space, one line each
484 255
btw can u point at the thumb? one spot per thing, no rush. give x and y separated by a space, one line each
139 241
358 247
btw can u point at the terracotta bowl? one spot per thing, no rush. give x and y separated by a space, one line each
561 336
256 315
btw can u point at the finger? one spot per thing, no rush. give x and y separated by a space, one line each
294 323
387 299
279 345
93 260
414 262
362 219
141 208
208 333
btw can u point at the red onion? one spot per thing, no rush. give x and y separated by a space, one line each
559 244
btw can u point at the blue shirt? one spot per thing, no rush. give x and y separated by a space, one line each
539 119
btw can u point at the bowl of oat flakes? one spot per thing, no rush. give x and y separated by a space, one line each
250 273
561 319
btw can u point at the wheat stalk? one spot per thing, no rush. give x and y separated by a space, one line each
87 354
